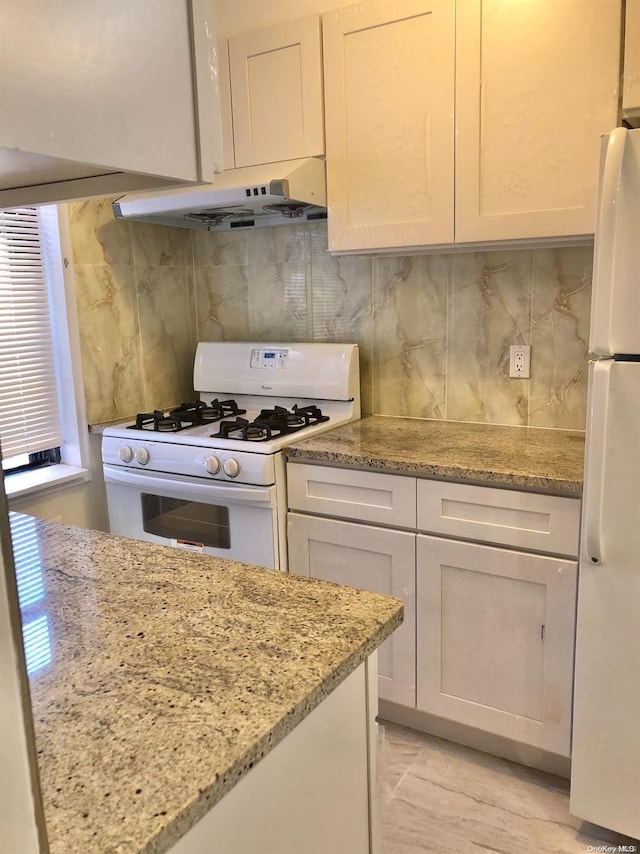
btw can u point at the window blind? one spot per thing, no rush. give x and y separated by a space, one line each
29 413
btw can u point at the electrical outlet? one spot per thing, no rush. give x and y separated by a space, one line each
520 361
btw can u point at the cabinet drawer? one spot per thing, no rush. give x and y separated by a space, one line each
542 523
366 496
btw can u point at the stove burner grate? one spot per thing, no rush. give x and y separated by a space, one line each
271 423
186 415
158 421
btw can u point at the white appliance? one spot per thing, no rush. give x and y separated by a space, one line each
605 776
209 476
276 194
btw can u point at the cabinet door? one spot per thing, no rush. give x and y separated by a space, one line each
536 85
631 76
371 559
126 98
495 638
388 76
276 89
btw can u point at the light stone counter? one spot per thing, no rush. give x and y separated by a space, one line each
171 674
531 458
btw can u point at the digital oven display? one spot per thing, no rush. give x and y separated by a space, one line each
270 360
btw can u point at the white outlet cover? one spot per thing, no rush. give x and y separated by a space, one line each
520 361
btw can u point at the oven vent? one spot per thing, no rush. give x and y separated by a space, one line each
275 194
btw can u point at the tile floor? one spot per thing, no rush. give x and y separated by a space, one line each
442 798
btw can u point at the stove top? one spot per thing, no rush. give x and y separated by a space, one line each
263 426
250 424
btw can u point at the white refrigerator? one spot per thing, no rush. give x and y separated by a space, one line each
605 775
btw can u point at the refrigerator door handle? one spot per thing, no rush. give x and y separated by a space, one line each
595 460
605 245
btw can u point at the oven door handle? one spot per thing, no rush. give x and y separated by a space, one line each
191 490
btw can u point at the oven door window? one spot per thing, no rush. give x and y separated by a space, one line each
177 519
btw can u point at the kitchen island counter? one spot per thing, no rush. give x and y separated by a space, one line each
160 677
532 458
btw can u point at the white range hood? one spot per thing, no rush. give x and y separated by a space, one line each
272 194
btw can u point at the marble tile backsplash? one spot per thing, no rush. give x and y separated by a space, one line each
136 311
434 330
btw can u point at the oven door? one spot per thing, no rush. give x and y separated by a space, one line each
227 520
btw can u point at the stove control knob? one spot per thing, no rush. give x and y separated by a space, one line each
142 456
232 467
212 465
125 454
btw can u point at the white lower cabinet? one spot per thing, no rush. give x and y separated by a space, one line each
495 632
488 635
369 558
315 792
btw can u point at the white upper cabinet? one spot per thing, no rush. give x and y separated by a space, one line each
100 98
631 75
276 92
536 85
389 86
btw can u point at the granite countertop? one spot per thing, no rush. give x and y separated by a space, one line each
160 676
533 458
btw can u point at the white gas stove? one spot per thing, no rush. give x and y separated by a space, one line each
209 475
